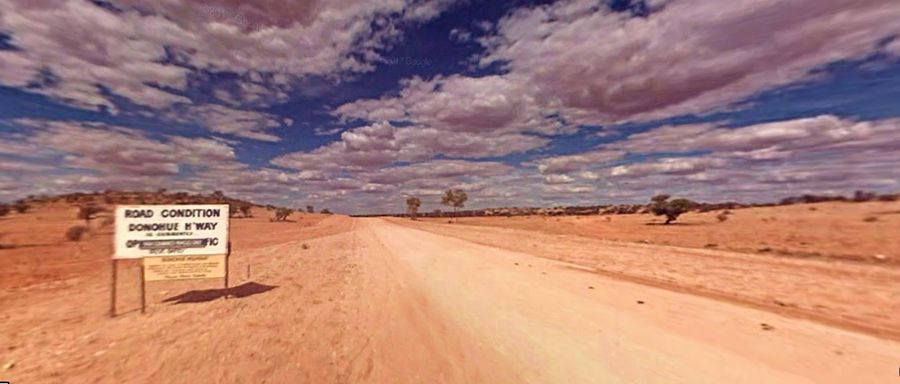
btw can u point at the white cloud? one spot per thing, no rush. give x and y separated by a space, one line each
450 171
769 140
759 162
460 35
453 116
568 163
557 192
490 104
567 63
241 123
893 48
688 57
11 167
125 152
63 156
558 179
668 166
132 53
382 144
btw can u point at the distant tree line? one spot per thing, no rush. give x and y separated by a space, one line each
670 208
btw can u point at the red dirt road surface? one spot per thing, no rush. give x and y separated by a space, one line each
341 300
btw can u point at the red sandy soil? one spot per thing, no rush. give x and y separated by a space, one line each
330 299
35 249
843 230
852 281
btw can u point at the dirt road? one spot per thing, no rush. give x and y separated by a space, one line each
549 322
370 301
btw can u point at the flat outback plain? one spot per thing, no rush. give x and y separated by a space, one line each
806 293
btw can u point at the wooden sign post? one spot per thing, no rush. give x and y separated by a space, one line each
226 270
173 242
143 291
112 288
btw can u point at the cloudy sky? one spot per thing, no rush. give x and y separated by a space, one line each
352 105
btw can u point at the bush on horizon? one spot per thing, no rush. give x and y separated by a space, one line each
660 205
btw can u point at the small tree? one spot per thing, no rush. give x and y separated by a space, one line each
4 210
412 206
310 209
325 211
233 209
660 205
89 211
455 198
21 206
246 210
281 214
661 198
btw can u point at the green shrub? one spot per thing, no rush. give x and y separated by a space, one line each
660 205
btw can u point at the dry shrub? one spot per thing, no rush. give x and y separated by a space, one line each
281 214
305 246
109 220
21 207
89 211
722 217
870 219
76 233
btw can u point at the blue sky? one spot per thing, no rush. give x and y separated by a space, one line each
354 105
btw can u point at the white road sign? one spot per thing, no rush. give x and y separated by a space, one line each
170 230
